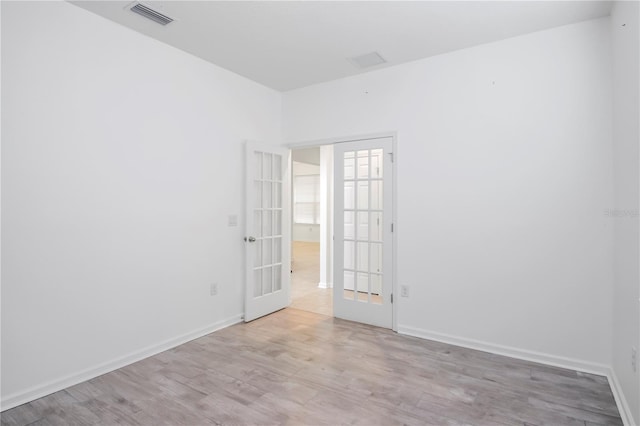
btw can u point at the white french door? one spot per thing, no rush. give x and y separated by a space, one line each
363 255
267 257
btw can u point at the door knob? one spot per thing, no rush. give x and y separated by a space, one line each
250 239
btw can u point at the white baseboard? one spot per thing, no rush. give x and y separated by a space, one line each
45 389
540 357
621 401
325 285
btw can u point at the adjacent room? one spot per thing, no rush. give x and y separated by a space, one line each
350 212
308 291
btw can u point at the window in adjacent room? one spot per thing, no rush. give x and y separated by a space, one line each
306 199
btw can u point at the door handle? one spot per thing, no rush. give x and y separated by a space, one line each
250 239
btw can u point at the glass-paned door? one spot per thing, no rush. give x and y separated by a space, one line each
363 231
267 286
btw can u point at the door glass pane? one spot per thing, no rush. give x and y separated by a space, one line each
363 297
266 167
266 252
376 163
257 190
349 285
363 164
376 289
349 226
267 280
376 195
349 254
257 165
363 195
375 226
277 222
277 277
349 202
363 282
375 260
277 195
257 282
362 254
257 253
257 223
363 225
277 250
266 224
349 166
266 194
277 167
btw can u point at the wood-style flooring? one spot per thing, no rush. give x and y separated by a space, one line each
297 367
305 294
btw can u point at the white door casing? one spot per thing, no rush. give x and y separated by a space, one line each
363 243
267 230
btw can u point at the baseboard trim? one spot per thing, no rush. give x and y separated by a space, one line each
45 389
621 401
540 357
325 285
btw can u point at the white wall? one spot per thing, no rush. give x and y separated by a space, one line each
504 169
122 158
304 231
626 113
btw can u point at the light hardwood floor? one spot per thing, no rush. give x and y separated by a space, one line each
297 367
305 294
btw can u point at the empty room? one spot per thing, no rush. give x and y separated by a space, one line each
320 212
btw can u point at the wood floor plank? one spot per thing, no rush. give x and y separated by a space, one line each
297 367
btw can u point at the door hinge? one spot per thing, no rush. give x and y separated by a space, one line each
392 227
391 297
391 156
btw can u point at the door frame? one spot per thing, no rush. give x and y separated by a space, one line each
394 200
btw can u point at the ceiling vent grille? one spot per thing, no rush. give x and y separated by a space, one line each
148 12
369 60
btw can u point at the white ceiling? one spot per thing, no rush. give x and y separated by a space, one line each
287 45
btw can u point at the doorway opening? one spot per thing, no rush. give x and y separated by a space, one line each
312 213
343 240
345 196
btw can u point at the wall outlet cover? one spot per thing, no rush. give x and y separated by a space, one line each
404 291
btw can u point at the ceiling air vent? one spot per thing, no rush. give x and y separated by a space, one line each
148 12
369 60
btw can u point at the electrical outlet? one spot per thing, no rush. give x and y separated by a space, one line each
213 290
634 359
404 291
